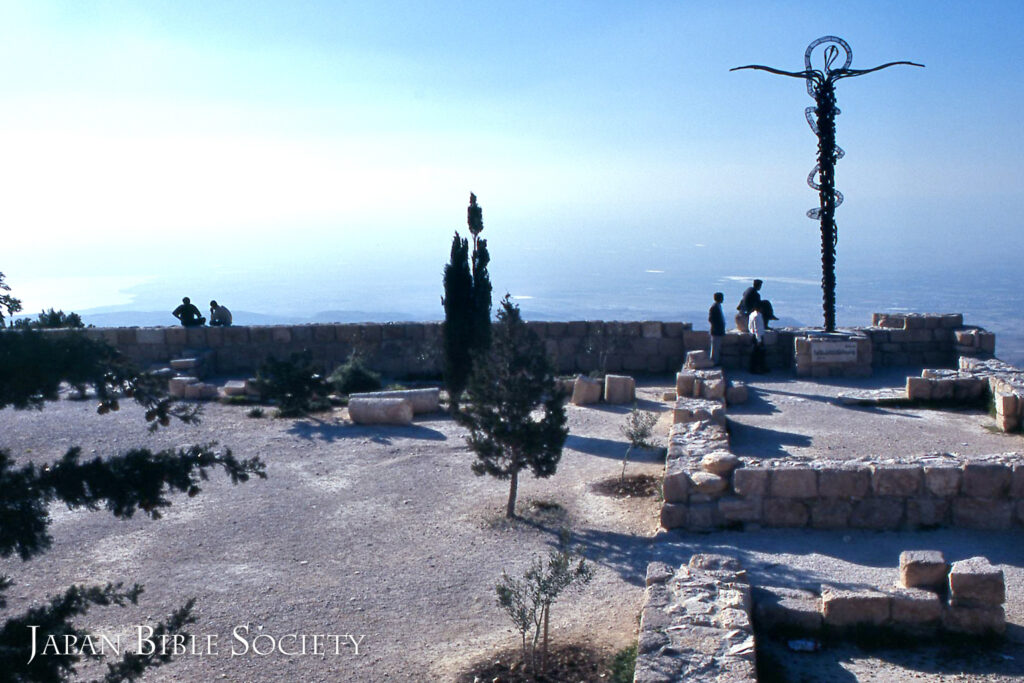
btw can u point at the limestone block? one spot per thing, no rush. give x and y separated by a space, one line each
942 389
200 391
927 512
830 513
698 360
987 342
177 385
914 611
279 335
785 512
619 389
713 389
674 515
877 513
701 516
750 481
982 513
923 569
845 482
1008 423
380 411
708 483
650 329
714 562
736 393
736 509
942 480
896 480
684 383
1005 404
426 400
669 396
786 610
234 388
721 463
676 485
1017 481
919 389
793 482
974 621
845 608
976 582
150 335
252 387
208 391
986 480
585 391
181 364
658 572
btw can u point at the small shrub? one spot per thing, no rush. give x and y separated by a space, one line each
638 429
256 412
624 665
294 384
50 319
353 377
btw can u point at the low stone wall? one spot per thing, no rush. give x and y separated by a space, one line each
414 349
695 624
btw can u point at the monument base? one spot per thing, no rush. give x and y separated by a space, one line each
845 353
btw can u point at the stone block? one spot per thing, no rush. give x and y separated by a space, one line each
830 513
708 483
586 391
235 388
986 480
181 364
619 389
252 387
1005 404
672 329
736 509
650 329
896 480
177 385
176 336
676 484
975 582
684 383
701 516
914 611
786 610
278 335
793 482
923 569
877 513
698 360
919 389
674 515
843 609
658 572
974 621
982 513
721 463
942 480
372 411
1017 481
942 389
713 389
150 335
736 393
426 400
844 482
785 512
669 396
750 481
927 512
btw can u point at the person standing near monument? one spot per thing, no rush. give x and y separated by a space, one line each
220 316
188 314
748 304
717 320
756 323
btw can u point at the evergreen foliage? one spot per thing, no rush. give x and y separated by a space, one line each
638 429
353 376
50 319
467 305
7 302
294 384
508 383
32 367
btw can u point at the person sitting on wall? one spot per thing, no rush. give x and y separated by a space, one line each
748 304
717 321
188 314
220 316
769 313
758 362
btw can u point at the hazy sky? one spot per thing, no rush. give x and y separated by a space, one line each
144 139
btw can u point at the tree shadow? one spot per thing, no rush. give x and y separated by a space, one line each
613 449
756 404
330 431
759 442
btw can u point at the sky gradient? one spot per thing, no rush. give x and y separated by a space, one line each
141 141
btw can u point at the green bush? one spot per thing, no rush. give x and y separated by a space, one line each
50 319
294 384
624 665
353 377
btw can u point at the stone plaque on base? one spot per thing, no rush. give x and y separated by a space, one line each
830 351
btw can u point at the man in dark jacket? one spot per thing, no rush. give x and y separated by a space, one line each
188 314
749 302
717 320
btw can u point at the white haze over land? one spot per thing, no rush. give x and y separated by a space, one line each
310 161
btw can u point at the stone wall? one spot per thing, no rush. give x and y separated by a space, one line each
414 349
695 624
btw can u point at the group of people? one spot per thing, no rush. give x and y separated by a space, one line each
753 315
190 316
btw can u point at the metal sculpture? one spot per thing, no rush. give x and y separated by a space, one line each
821 85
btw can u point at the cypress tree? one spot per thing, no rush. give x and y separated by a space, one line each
457 328
509 382
481 328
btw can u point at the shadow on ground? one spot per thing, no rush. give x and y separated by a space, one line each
333 430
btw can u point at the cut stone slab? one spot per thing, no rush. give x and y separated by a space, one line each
619 389
586 391
737 393
974 620
184 363
427 400
177 385
915 611
708 483
685 383
845 608
235 388
923 569
975 581
721 463
698 360
369 411
252 387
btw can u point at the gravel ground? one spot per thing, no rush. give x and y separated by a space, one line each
385 533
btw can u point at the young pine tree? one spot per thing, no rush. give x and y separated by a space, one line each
467 305
507 385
